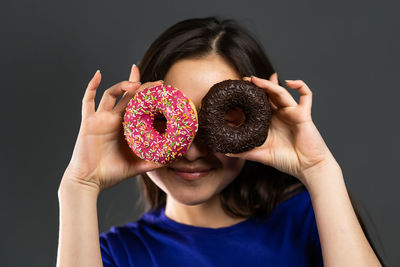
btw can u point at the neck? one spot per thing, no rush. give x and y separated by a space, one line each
208 214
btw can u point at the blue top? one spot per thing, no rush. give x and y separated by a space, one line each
289 237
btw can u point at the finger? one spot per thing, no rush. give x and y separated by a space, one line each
110 95
280 96
243 155
273 106
305 92
274 78
88 106
135 74
123 102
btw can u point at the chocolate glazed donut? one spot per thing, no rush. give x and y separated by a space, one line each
234 95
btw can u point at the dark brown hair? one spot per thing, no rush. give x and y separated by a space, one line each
258 189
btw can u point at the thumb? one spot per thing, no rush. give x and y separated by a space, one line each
242 155
256 154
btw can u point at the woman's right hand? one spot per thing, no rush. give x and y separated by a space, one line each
101 156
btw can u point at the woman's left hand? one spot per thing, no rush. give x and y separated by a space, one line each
294 145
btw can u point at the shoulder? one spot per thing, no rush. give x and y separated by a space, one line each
116 245
299 209
296 216
296 213
297 202
115 232
118 235
134 228
133 233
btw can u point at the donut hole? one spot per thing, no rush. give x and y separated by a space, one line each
235 117
160 123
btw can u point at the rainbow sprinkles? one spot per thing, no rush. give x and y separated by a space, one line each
182 125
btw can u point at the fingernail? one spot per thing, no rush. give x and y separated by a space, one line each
95 74
252 76
289 81
134 65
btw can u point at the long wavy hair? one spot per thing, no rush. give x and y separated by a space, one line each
258 189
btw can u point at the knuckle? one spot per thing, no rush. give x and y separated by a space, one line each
108 91
148 84
124 83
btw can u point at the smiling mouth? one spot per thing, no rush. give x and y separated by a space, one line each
191 174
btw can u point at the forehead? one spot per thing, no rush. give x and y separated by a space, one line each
194 77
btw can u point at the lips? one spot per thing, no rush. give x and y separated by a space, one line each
188 173
190 169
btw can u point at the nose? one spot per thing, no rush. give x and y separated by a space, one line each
197 149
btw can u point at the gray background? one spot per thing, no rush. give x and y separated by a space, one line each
347 52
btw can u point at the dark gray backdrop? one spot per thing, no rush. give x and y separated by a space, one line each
347 52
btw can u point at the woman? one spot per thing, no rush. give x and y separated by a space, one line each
207 208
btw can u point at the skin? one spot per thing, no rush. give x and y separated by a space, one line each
197 202
101 159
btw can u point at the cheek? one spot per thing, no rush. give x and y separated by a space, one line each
233 166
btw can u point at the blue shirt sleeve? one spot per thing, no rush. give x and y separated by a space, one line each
106 253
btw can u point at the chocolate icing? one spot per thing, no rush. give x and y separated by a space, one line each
227 95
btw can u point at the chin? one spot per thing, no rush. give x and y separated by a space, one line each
191 197
193 192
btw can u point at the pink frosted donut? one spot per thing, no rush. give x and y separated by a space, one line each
181 127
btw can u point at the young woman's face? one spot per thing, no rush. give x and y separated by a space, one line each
200 174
